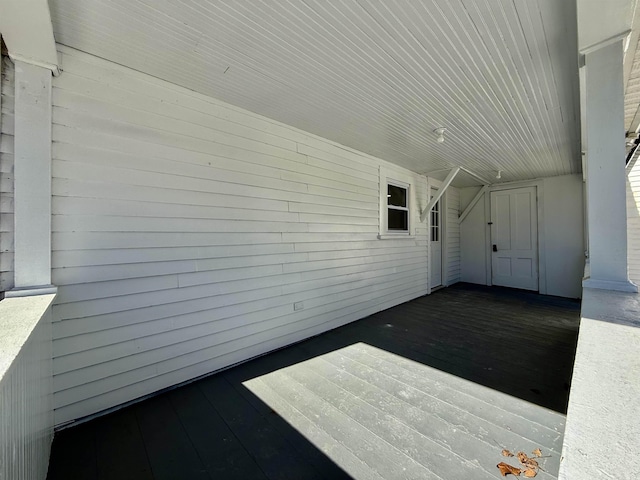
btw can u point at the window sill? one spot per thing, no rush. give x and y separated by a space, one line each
392 236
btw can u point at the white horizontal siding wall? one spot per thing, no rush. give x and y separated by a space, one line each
185 229
453 236
633 220
7 93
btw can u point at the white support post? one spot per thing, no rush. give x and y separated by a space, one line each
605 154
32 177
434 200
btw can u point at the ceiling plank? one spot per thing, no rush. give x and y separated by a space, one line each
376 76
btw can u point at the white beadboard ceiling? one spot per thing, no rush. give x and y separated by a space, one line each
632 79
374 75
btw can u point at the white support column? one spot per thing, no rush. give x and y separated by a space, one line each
605 154
32 177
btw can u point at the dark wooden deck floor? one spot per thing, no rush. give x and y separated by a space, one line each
433 388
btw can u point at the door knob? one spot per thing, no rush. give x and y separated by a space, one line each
495 247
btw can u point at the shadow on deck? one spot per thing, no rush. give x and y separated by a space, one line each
433 388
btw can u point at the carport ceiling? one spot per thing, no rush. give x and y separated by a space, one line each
375 75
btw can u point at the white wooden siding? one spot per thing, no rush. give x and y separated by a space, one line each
6 175
185 229
633 220
453 236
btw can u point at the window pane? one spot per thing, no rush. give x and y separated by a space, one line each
398 219
396 196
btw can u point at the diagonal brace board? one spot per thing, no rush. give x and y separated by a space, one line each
481 192
434 200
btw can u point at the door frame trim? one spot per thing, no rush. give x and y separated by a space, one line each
539 184
442 232
437 184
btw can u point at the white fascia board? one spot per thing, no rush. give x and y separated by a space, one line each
599 26
25 26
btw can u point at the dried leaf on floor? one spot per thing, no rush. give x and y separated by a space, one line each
530 466
526 461
506 469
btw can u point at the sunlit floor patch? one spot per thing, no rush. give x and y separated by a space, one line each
379 415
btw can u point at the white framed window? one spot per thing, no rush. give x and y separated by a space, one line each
397 201
435 222
397 207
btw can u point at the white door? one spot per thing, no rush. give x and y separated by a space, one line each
514 238
436 244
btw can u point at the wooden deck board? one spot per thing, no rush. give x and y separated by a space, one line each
169 448
433 388
412 436
304 448
73 454
273 453
119 437
222 454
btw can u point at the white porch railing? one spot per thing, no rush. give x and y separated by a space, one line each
602 433
26 406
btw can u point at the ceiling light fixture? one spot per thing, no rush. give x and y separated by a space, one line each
440 132
499 175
